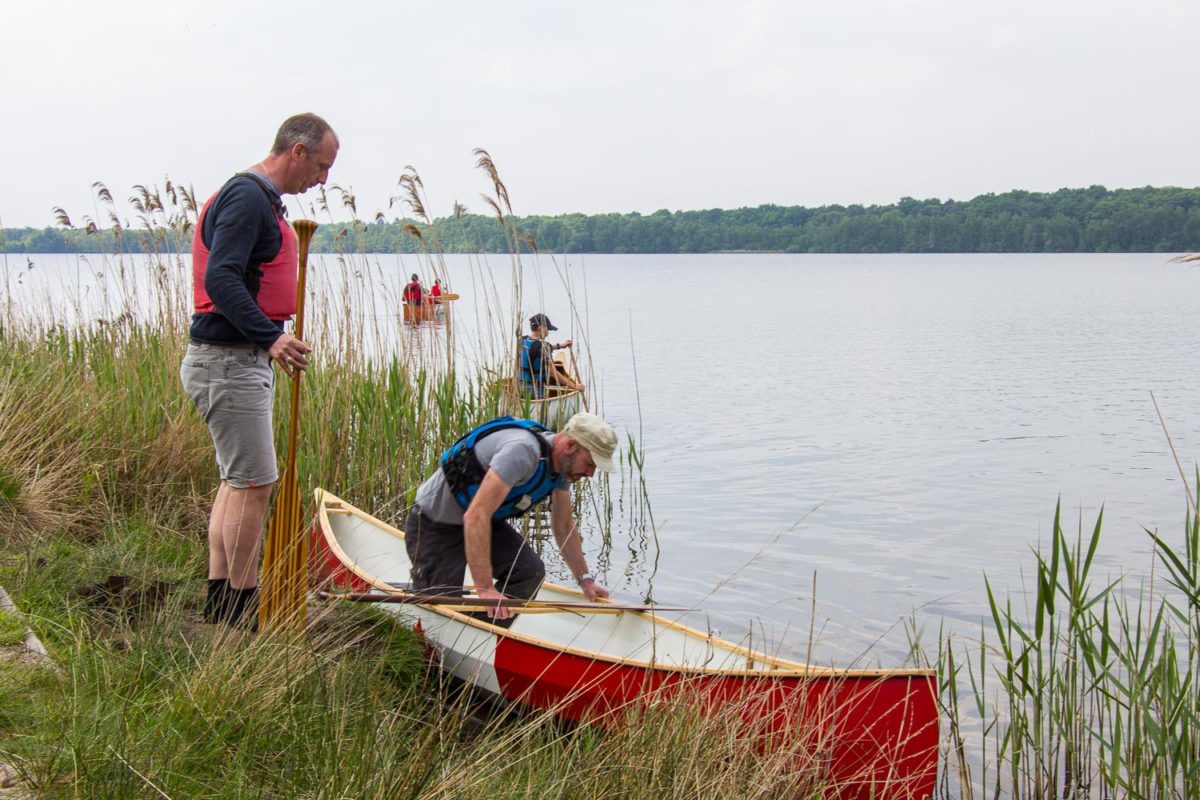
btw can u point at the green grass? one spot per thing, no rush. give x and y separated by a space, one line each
148 702
12 628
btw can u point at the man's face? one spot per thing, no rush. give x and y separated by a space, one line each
312 166
577 462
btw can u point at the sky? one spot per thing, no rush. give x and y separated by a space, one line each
602 107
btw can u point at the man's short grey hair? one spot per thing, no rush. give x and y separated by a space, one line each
307 129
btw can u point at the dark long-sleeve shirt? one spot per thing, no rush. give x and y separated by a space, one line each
241 231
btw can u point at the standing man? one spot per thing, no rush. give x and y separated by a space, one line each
244 274
495 473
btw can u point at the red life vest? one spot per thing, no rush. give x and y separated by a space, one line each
277 289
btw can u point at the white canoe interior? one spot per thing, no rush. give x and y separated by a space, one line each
375 552
554 410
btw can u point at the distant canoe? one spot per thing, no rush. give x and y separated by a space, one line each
426 312
875 732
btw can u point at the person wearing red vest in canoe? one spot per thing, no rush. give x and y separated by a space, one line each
435 291
412 291
244 275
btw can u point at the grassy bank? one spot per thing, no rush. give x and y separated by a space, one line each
106 477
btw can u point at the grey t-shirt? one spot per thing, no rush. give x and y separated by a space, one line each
513 453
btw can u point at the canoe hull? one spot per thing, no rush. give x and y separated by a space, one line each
553 411
877 735
426 312
876 731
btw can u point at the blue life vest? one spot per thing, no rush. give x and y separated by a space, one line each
533 377
464 473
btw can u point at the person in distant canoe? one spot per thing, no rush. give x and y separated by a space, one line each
244 273
538 369
435 291
412 291
497 472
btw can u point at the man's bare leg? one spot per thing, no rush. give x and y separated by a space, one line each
218 564
244 512
216 604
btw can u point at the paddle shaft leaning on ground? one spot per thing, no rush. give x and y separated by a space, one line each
282 602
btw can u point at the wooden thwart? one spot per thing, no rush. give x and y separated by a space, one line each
479 604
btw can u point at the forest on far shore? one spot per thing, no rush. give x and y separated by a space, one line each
1091 220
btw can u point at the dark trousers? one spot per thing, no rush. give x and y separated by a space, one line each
439 559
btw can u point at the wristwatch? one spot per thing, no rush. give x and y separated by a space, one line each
587 576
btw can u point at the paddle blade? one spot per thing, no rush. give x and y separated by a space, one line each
283 600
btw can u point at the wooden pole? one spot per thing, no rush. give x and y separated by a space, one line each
578 377
283 596
460 603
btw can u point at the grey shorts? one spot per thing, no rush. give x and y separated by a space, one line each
233 388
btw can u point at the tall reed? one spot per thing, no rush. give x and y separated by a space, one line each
1091 691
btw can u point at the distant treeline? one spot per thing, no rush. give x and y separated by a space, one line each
1089 220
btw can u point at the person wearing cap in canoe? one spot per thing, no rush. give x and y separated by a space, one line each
538 369
495 473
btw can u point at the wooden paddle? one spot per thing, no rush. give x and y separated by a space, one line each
441 298
577 377
461 603
282 599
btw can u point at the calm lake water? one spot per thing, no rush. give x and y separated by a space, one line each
897 425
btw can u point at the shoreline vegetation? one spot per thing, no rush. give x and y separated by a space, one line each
1091 220
1086 686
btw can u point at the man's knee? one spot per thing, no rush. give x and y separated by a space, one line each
260 493
251 500
538 573
525 578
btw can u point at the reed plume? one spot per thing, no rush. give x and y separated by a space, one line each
484 162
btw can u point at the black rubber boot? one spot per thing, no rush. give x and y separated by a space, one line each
217 603
243 608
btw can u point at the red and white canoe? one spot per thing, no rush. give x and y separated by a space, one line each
876 731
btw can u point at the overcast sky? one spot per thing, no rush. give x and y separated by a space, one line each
613 106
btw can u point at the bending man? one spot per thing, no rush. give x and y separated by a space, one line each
495 473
